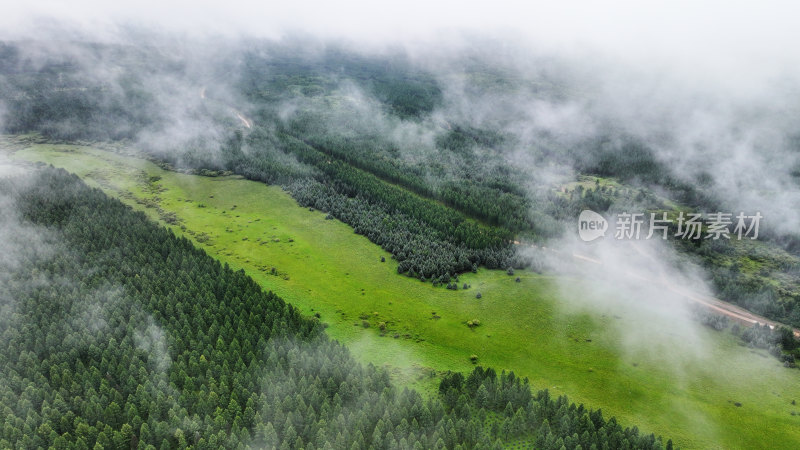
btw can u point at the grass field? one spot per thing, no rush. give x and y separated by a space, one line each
322 267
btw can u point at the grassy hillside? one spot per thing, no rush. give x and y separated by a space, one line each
322 267
121 335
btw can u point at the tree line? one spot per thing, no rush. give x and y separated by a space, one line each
121 335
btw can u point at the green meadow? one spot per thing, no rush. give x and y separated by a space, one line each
733 398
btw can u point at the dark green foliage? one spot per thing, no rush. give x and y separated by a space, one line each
284 69
420 250
490 197
773 290
709 319
490 204
60 98
129 337
428 239
449 208
780 342
514 412
353 182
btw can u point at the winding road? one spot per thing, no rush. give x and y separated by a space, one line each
245 121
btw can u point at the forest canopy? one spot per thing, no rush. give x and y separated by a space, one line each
121 335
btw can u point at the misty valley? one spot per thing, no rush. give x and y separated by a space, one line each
305 243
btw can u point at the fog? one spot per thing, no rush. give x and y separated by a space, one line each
20 242
711 88
32 277
660 31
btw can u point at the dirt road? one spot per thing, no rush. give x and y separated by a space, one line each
245 121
